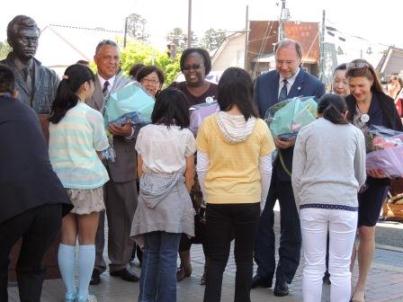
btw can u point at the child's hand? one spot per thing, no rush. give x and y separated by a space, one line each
124 130
376 173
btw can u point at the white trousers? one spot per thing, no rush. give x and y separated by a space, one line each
342 226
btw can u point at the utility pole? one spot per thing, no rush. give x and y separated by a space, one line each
125 34
245 62
284 16
322 47
190 24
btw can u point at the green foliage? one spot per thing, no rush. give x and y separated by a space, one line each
139 52
4 50
213 38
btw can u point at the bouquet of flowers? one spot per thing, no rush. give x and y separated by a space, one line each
385 151
199 112
287 117
131 104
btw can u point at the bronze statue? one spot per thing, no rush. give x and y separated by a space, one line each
36 84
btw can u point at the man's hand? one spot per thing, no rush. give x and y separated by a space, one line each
284 144
124 130
376 173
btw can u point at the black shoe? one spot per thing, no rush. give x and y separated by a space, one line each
280 289
259 281
125 275
96 277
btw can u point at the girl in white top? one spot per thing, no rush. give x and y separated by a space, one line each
76 134
166 169
327 172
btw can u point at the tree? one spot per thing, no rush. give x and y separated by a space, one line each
179 38
136 27
213 38
140 52
4 50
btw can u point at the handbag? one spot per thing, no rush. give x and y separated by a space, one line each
393 207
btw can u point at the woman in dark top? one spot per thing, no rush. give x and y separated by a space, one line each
368 105
195 64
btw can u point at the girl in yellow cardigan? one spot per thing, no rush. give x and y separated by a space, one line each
234 169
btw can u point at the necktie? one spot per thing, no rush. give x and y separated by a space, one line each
105 89
283 91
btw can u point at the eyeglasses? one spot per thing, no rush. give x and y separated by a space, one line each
192 66
151 81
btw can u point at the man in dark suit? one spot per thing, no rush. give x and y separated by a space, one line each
120 191
32 199
287 81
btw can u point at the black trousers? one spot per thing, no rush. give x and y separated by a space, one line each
223 223
38 228
290 240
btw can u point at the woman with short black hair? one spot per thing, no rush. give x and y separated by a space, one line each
195 64
152 79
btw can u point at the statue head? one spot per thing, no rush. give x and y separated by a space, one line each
22 35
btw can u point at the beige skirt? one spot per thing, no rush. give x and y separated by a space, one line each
86 201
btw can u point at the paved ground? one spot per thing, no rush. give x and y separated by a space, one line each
385 282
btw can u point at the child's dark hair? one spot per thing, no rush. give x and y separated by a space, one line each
171 108
66 97
332 107
236 88
7 79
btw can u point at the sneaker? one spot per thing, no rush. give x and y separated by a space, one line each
70 297
90 298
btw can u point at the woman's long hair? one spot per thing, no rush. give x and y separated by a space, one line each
236 88
66 95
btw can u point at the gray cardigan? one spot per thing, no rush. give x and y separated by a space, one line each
329 164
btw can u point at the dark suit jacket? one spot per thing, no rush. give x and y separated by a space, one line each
266 95
124 167
45 86
26 176
388 108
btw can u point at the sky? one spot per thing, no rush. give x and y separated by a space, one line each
376 21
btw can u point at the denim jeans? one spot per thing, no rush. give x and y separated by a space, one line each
225 222
158 269
342 226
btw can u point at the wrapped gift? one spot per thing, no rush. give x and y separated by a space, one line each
385 151
287 117
131 104
199 112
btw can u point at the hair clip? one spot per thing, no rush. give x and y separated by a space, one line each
65 77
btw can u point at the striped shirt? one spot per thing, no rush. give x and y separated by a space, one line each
73 146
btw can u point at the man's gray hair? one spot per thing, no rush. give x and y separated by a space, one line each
103 43
289 42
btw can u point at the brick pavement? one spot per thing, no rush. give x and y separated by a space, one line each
385 284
